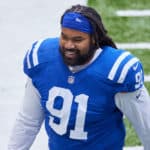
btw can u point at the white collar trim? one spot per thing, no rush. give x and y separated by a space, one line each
75 69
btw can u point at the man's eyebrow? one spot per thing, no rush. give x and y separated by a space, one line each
74 37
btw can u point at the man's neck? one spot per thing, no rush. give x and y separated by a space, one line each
75 69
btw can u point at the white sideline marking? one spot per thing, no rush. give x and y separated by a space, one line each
134 148
133 13
147 78
133 45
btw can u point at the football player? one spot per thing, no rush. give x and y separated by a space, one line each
80 84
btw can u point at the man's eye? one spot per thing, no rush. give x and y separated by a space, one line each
77 40
64 37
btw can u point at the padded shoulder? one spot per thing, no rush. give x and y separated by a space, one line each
132 76
124 69
41 51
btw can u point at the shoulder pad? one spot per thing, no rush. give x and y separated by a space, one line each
127 70
40 52
135 77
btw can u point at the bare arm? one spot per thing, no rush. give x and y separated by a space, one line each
28 121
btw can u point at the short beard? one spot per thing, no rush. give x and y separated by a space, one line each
81 59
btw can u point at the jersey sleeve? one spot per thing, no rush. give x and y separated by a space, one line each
41 52
134 78
31 58
126 73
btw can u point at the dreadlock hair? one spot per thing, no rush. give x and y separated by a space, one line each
99 32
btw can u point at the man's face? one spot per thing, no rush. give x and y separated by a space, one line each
75 47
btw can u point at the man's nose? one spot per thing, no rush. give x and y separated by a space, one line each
69 45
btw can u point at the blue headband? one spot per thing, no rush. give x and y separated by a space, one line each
77 21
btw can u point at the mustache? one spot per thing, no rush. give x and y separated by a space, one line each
71 50
76 51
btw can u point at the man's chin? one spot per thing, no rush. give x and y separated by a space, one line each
70 62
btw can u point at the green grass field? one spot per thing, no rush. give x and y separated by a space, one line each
127 30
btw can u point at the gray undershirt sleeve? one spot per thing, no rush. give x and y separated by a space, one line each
136 107
28 121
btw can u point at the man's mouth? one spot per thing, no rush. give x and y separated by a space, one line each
70 54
